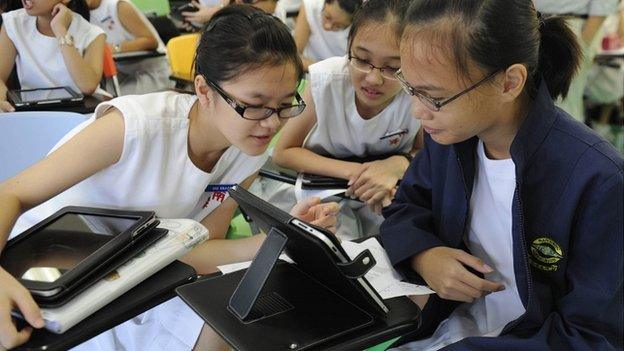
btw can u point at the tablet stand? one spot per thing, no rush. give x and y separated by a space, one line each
248 290
244 299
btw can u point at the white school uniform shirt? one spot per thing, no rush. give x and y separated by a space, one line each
135 76
340 131
322 43
153 173
39 61
490 239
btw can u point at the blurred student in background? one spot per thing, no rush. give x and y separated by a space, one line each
52 44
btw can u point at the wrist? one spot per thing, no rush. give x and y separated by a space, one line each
400 163
350 169
418 260
66 40
59 32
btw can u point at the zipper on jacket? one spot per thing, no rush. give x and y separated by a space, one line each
514 323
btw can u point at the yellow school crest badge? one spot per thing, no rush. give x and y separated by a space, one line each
545 254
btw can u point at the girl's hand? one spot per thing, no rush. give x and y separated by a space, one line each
14 295
311 210
375 183
444 271
61 19
5 106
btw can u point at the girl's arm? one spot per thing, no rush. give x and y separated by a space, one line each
8 54
98 146
302 35
289 152
217 250
132 21
590 28
85 71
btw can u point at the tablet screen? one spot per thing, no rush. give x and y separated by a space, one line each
61 245
45 94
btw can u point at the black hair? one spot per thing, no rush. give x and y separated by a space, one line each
10 5
348 6
495 34
80 7
239 38
378 11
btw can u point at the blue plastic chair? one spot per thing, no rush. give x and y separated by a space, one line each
26 137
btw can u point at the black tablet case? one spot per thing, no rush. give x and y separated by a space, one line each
311 181
106 257
284 313
147 240
307 306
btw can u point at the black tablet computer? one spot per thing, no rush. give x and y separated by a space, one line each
315 181
67 248
315 250
57 96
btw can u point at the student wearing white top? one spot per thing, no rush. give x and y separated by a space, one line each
512 211
356 109
127 30
322 28
51 45
163 151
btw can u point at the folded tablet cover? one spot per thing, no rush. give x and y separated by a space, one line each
144 220
293 312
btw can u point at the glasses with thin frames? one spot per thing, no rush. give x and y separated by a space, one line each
436 104
257 113
367 67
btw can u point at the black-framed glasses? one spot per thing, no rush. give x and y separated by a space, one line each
257 113
436 104
367 67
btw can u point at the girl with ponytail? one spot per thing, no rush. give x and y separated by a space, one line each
512 212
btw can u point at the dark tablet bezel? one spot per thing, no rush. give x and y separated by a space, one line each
145 220
16 100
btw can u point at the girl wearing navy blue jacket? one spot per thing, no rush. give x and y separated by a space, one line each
512 213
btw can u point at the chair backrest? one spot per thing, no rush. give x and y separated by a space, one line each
26 137
181 51
158 7
109 69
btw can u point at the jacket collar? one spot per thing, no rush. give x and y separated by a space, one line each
530 136
534 129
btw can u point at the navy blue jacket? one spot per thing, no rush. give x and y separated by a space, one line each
567 228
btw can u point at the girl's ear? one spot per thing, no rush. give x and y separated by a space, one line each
202 90
515 80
